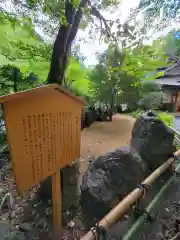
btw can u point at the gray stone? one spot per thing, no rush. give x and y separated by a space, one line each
69 182
152 140
108 179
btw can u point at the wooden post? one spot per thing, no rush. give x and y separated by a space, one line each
56 200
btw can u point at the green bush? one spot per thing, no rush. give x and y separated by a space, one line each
167 118
153 100
136 113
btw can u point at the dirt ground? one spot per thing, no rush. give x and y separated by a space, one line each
102 137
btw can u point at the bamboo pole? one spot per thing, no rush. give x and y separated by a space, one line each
130 234
117 212
176 137
176 140
175 131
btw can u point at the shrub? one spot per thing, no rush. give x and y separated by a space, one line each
153 100
167 118
137 113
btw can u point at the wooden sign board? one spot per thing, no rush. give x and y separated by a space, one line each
43 128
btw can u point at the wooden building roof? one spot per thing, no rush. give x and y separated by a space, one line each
171 76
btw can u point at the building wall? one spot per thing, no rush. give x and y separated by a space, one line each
178 101
173 97
169 93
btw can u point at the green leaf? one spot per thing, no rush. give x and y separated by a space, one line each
76 3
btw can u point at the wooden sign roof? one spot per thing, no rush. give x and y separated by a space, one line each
40 90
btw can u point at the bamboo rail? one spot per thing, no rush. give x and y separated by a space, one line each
150 207
175 131
117 212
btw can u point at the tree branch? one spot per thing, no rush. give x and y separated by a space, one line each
97 14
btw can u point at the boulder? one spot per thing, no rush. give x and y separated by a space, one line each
153 140
89 116
69 183
108 179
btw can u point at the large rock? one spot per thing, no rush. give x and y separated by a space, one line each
88 116
111 177
108 179
152 140
69 183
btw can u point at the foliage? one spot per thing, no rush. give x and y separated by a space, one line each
13 80
152 96
172 44
149 86
102 86
129 91
137 113
76 80
156 16
76 53
142 60
165 10
167 118
117 78
64 18
23 49
153 100
28 54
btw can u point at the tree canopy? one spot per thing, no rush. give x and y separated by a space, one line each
120 69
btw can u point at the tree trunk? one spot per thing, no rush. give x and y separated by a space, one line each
59 49
16 76
62 45
113 93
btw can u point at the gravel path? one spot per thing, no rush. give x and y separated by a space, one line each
102 137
